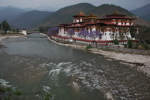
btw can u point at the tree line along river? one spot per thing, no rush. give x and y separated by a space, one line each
37 66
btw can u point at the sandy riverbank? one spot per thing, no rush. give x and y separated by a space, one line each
8 36
140 62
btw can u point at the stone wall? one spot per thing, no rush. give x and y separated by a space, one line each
124 50
104 47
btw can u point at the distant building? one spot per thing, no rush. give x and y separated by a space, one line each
114 26
24 31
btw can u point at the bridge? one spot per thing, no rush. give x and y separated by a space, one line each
26 32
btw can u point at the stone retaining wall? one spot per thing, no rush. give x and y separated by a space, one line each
117 48
109 47
125 50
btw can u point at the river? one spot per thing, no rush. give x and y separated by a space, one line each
37 66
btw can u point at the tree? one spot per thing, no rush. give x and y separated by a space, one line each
17 30
114 35
122 33
144 34
48 96
133 32
95 34
129 43
116 42
0 26
83 34
71 32
52 31
42 29
5 26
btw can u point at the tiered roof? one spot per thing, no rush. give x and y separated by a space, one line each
115 15
91 16
80 14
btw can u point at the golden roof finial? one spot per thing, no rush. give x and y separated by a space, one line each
92 14
116 13
81 13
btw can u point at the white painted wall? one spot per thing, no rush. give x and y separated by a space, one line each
80 19
24 32
107 35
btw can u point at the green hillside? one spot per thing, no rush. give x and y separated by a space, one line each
64 15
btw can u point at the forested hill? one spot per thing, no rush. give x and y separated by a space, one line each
64 15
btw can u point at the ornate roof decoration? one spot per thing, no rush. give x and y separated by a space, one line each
91 16
80 14
116 13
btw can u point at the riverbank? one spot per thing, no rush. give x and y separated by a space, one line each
8 36
140 62
11 36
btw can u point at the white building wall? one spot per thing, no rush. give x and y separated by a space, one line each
62 32
80 19
114 21
59 33
119 23
129 35
24 32
77 20
104 37
127 22
93 29
76 35
107 35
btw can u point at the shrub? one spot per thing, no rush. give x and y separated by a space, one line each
116 42
140 47
136 45
125 45
89 46
48 96
129 43
145 46
18 93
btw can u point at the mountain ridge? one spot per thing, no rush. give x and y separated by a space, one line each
65 14
34 19
9 12
27 19
143 12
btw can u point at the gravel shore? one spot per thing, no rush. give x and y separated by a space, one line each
140 62
8 36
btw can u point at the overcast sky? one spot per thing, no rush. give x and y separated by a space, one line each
57 4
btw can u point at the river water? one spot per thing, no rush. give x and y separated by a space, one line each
37 67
